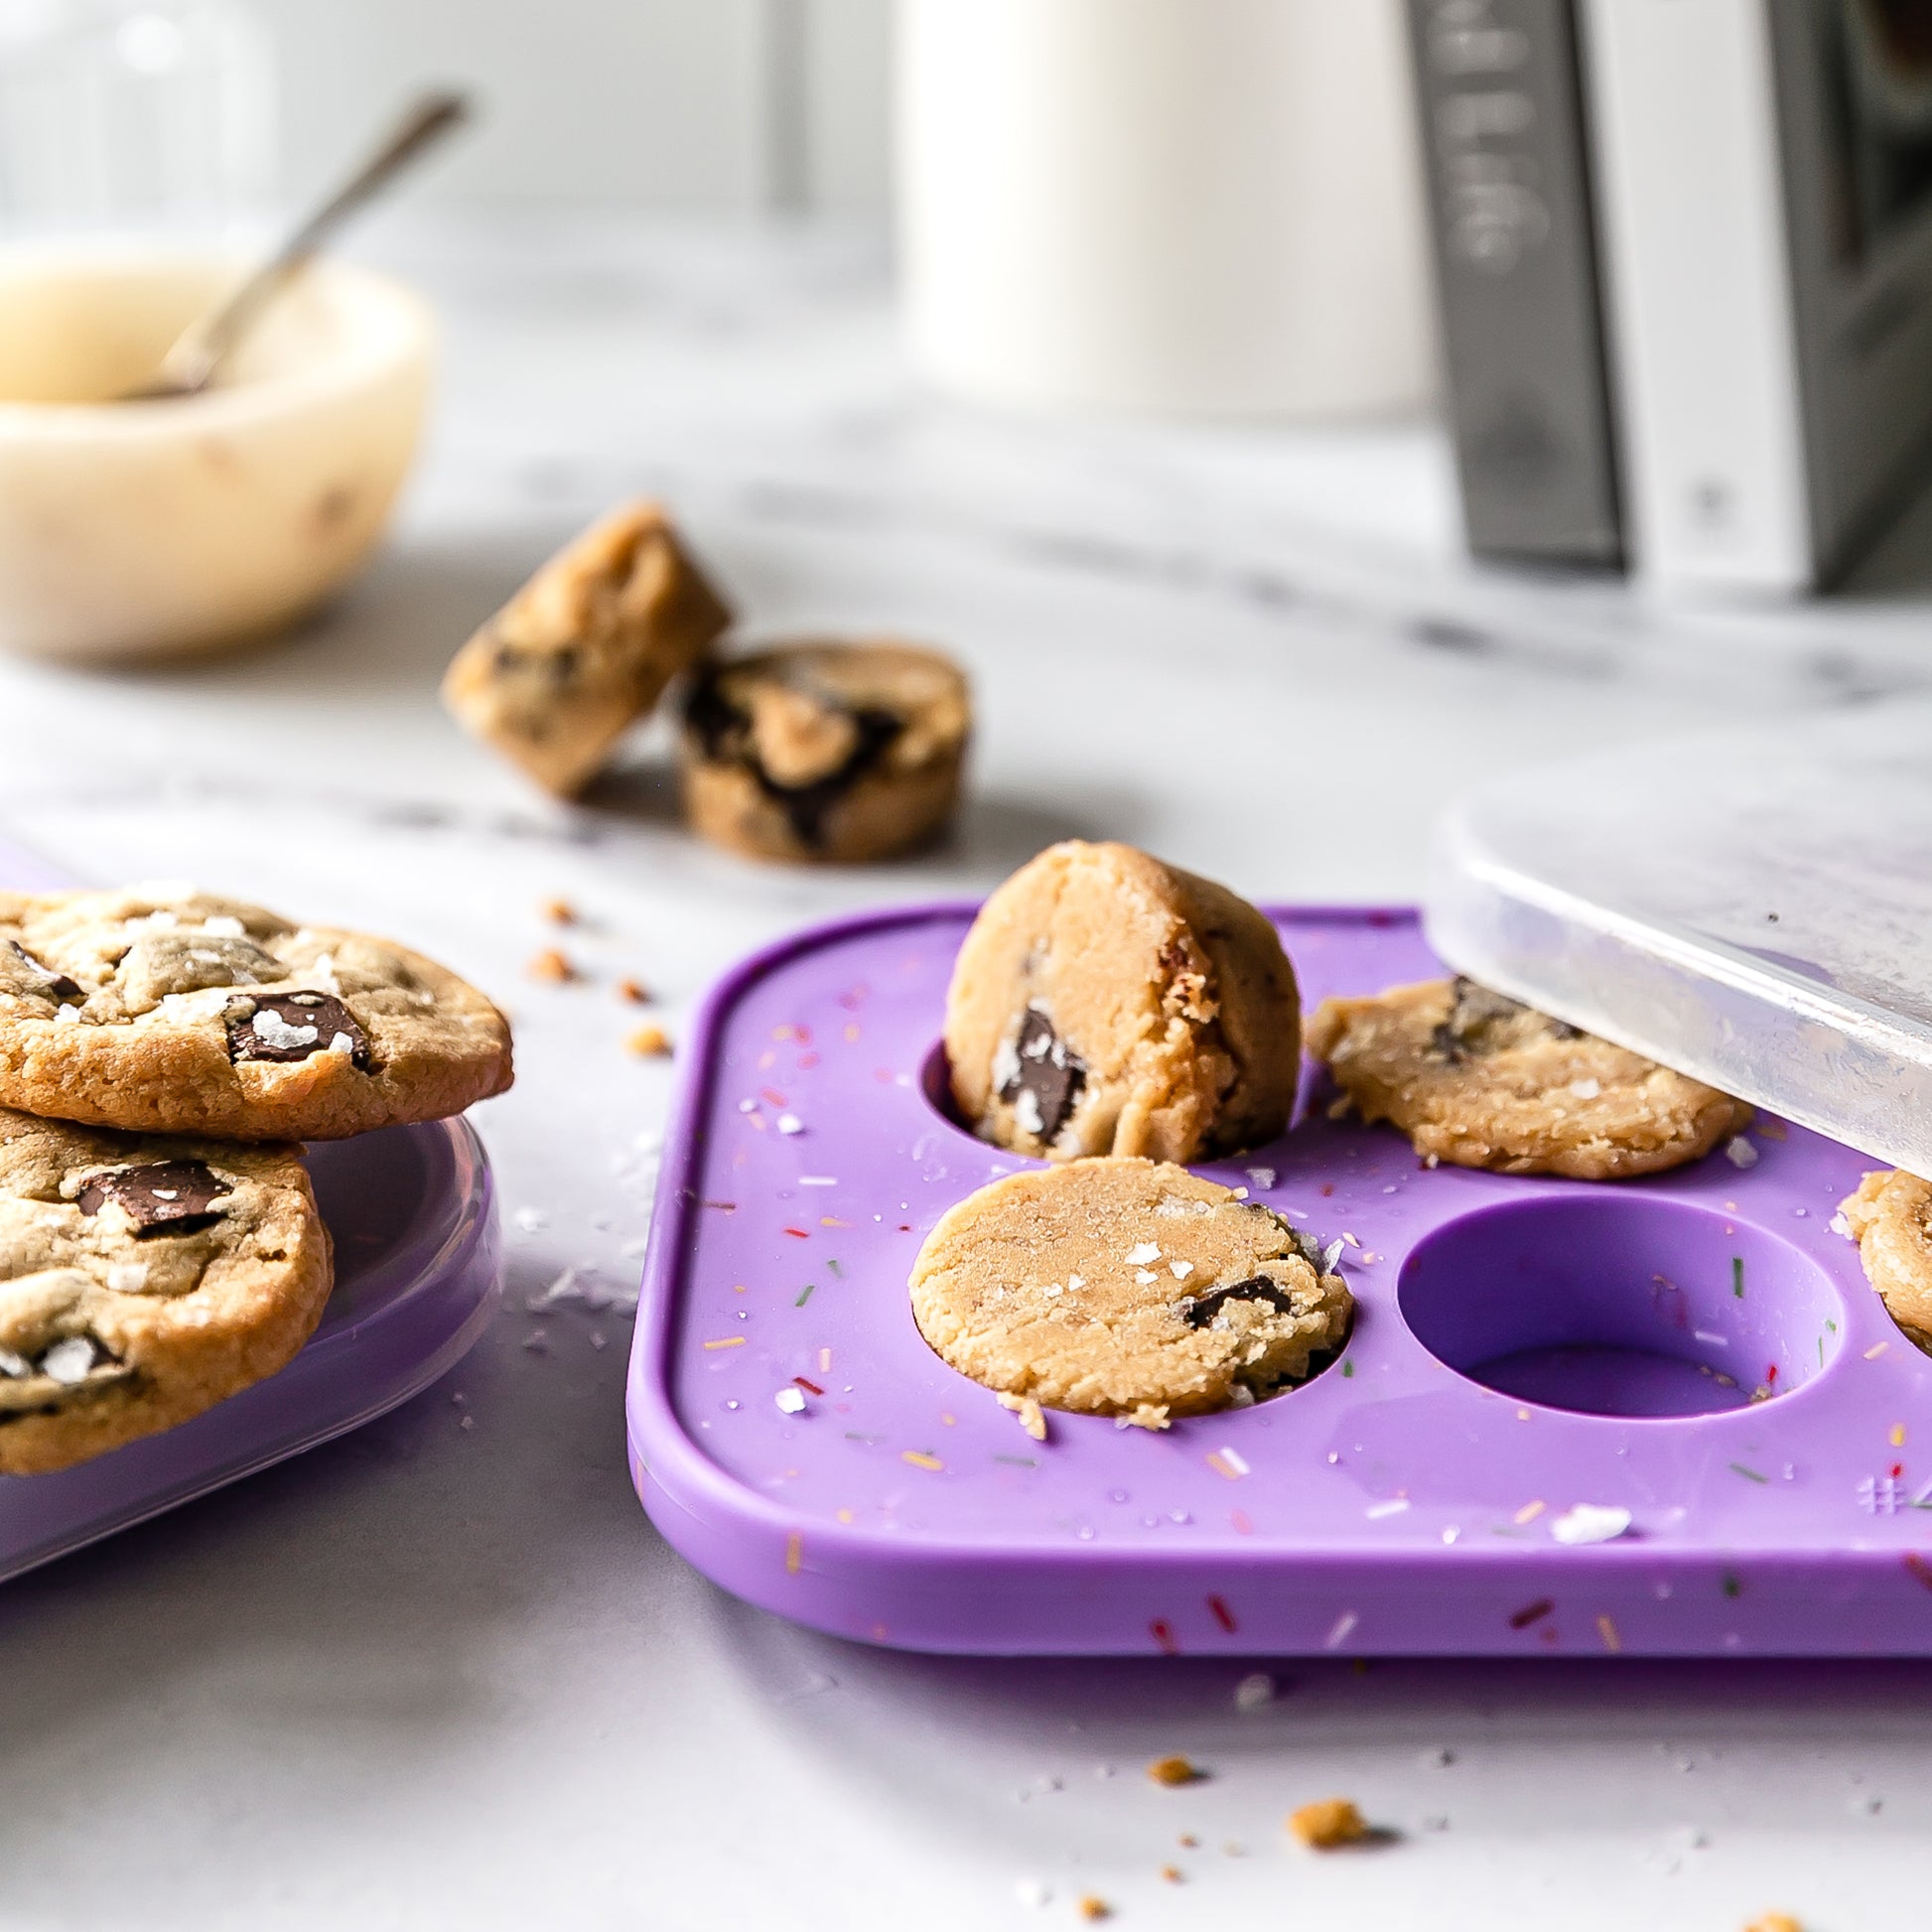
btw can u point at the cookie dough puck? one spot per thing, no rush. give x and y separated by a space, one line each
142 1281
1129 1288
163 1009
1890 1218
825 752
1478 1081
585 649
1105 1003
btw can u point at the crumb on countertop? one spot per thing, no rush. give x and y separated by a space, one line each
1174 1770
551 965
559 911
636 991
1328 1823
1090 1907
649 1039
1774 1922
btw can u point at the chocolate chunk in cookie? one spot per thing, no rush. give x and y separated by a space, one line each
178 1013
141 1281
1481 1021
170 1197
1478 1080
21 973
1125 1287
1105 1003
289 1027
825 751
585 648
1045 1078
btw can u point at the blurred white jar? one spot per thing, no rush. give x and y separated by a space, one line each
1208 207
134 115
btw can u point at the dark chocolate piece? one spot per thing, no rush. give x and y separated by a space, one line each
1201 1309
724 732
162 1198
1047 1071
1478 1019
288 1027
57 985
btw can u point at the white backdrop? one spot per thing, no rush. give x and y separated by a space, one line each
722 105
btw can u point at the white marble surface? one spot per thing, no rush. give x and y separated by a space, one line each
439 1673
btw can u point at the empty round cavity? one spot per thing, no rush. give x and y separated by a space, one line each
1620 1305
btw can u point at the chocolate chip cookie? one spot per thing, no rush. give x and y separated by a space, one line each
161 1009
1890 1218
1481 1082
585 649
1126 1287
842 753
1105 1003
142 1281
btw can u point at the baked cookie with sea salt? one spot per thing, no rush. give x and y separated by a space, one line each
1105 1003
1127 1287
842 753
163 1009
585 649
1890 1218
1476 1079
142 1281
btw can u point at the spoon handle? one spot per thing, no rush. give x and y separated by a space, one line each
201 346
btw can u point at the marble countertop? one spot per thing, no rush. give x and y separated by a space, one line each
442 1671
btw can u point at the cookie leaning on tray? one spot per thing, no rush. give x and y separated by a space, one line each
1478 1080
169 1010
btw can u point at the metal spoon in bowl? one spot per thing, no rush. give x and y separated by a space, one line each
201 348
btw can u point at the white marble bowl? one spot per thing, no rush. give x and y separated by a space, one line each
129 529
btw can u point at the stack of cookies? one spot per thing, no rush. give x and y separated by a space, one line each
817 752
162 1053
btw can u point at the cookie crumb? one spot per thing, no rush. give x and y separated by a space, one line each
1171 1873
1188 1842
650 1041
1032 1420
1774 1922
1090 1907
1328 1824
634 991
1174 1770
559 911
552 967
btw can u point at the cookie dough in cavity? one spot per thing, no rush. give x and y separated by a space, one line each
163 1009
1890 1218
1126 1287
834 751
585 649
1105 1003
142 1281
1478 1081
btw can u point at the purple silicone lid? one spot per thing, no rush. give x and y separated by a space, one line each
418 1260
1531 1359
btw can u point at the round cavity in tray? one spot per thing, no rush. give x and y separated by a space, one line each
1620 1305
935 1082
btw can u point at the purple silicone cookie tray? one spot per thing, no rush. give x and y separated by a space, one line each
1531 1360
418 1260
